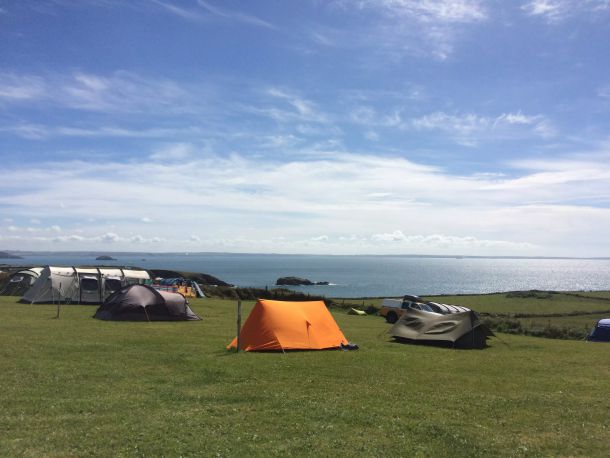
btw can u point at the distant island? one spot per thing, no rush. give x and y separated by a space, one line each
105 257
297 281
5 255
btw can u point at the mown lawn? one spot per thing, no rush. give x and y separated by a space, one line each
542 303
511 303
78 386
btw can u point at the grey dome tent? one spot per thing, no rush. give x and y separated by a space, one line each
144 303
430 322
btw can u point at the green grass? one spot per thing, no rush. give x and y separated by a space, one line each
508 303
549 303
77 386
566 315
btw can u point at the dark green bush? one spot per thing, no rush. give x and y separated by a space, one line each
535 294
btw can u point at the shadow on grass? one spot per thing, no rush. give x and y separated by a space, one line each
476 340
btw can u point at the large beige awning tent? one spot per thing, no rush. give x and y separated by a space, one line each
453 325
85 285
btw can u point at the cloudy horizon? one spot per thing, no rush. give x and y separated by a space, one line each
444 127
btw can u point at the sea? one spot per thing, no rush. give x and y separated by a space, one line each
365 276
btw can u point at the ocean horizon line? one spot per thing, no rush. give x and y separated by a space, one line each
230 253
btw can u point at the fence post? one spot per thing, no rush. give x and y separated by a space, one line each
238 323
58 302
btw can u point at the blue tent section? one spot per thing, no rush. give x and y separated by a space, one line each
601 331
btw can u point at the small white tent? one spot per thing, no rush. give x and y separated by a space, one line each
88 285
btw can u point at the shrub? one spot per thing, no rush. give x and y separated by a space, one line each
535 294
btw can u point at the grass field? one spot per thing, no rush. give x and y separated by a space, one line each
565 315
78 386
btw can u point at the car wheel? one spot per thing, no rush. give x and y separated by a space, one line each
391 317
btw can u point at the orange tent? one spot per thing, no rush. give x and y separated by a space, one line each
282 325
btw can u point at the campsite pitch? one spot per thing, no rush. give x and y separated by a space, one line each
79 386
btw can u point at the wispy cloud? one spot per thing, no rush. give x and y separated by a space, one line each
176 151
235 15
558 10
42 132
468 129
419 28
449 11
15 87
302 108
604 92
120 91
436 241
285 106
183 13
203 12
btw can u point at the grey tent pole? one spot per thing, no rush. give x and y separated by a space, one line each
78 284
238 323
100 285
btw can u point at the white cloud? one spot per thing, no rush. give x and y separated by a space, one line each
558 10
235 15
393 202
18 87
320 238
397 235
436 241
470 128
449 11
183 13
37 229
516 118
194 238
464 128
146 219
604 92
280 141
302 109
416 27
552 9
68 238
118 92
110 237
205 11
371 135
178 151
41 132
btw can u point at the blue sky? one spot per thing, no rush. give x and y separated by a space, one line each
466 127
